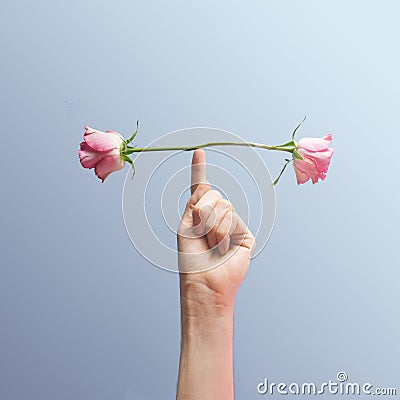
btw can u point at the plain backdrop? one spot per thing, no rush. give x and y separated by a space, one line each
82 315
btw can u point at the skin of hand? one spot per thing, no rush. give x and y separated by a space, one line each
213 239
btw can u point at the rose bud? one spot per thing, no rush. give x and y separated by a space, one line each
316 156
101 151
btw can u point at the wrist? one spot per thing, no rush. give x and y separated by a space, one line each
200 301
212 335
206 362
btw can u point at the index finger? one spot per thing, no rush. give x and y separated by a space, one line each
198 169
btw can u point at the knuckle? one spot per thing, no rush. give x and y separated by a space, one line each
206 213
196 210
226 204
215 193
253 245
251 238
230 214
220 234
192 200
230 217
210 224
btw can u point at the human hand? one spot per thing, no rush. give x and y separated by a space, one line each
212 238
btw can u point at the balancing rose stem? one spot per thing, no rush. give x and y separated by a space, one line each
130 150
108 151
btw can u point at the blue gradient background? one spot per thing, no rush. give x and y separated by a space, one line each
82 315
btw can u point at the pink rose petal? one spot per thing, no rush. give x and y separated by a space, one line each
107 165
315 144
101 150
89 157
102 141
316 159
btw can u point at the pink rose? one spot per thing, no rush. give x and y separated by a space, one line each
316 158
101 151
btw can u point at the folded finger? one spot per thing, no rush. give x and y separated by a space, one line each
203 209
222 208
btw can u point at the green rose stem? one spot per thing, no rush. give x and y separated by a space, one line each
108 151
289 147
